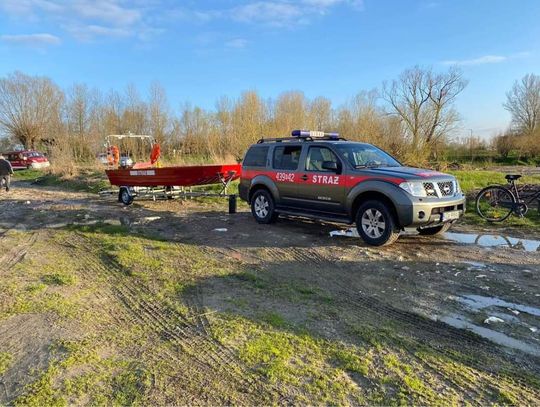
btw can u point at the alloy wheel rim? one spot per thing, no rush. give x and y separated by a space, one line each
373 223
261 206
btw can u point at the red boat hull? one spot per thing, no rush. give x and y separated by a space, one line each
174 176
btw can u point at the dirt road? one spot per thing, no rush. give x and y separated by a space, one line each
178 302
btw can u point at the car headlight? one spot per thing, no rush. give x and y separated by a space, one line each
414 188
458 187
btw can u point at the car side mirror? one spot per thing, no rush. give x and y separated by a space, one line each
330 166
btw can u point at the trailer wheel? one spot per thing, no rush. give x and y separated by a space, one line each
125 196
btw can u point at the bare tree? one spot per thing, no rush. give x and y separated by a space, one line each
523 103
320 114
112 110
158 110
82 117
134 116
30 108
250 120
423 100
290 112
503 143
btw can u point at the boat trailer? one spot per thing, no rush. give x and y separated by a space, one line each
127 194
148 180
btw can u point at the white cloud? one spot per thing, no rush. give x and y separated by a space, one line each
237 43
486 59
329 3
284 12
270 12
106 10
83 18
35 40
102 10
87 19
89 32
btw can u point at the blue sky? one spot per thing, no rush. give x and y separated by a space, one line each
202 50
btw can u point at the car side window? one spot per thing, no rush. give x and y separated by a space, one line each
286 157
316 156
256 157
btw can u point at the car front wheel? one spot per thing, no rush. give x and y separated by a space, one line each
262 207
376 224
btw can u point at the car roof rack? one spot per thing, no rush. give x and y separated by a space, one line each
304 135
280 139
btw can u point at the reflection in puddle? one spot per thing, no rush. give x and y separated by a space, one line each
494 241
458 321
476 264
478 302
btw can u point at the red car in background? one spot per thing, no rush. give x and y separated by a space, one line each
26 159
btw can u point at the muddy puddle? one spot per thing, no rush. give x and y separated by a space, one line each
501 315
488 240
479 302
460 322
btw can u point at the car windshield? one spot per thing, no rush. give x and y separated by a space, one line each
366 156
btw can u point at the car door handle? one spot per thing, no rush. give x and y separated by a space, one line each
304 177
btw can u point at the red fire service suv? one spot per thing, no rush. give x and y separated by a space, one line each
26 159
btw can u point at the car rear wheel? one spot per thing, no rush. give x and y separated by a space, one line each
376 224
437 230
262 207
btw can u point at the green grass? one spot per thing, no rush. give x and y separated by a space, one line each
350 360
28 175
274 319
471 181
87 181
5 361
339 357
59 279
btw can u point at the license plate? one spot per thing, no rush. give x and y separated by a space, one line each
452 215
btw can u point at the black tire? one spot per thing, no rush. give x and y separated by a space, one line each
125 196
263 207
437 230
495 203
376 224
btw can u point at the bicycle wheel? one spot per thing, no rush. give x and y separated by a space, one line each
495 203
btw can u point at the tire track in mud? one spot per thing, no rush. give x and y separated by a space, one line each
126 294
193 299
17 254
141 311
423 330
438 330
192 337
316 259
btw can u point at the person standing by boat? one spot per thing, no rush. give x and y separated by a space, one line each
6 171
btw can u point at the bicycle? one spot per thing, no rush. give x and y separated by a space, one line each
496 203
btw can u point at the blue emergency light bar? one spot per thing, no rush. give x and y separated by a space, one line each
314 134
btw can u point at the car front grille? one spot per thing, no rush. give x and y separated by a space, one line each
430 189
446 188
440 189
